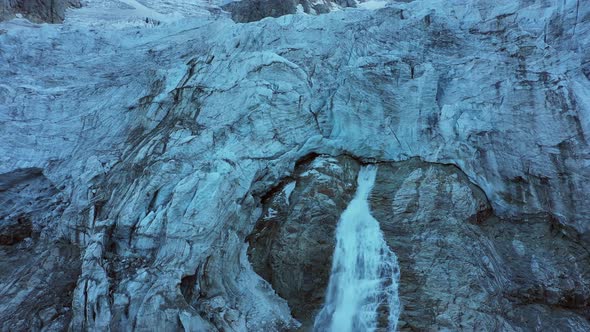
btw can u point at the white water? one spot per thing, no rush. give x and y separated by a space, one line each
362 290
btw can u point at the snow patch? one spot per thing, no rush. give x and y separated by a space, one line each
288 190
373 4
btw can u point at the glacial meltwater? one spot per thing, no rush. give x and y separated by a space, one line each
362 293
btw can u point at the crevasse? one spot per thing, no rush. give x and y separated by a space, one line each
362 292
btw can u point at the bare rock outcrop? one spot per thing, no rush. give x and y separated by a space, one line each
38 269
292 244
254 10
461 266
50 11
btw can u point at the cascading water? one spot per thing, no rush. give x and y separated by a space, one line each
363 288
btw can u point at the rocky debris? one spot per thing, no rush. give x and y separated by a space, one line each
461 266
50 11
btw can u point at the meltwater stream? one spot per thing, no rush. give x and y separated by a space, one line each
362 292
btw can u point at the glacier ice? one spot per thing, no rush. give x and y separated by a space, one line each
162 139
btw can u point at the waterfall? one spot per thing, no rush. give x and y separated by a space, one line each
362 292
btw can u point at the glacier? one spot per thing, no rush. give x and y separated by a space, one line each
140 140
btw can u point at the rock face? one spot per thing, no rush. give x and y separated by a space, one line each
255 10
164 143
292 244
26 197
461 266
50 11
38 272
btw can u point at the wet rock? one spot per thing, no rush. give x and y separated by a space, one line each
461 266
292 244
